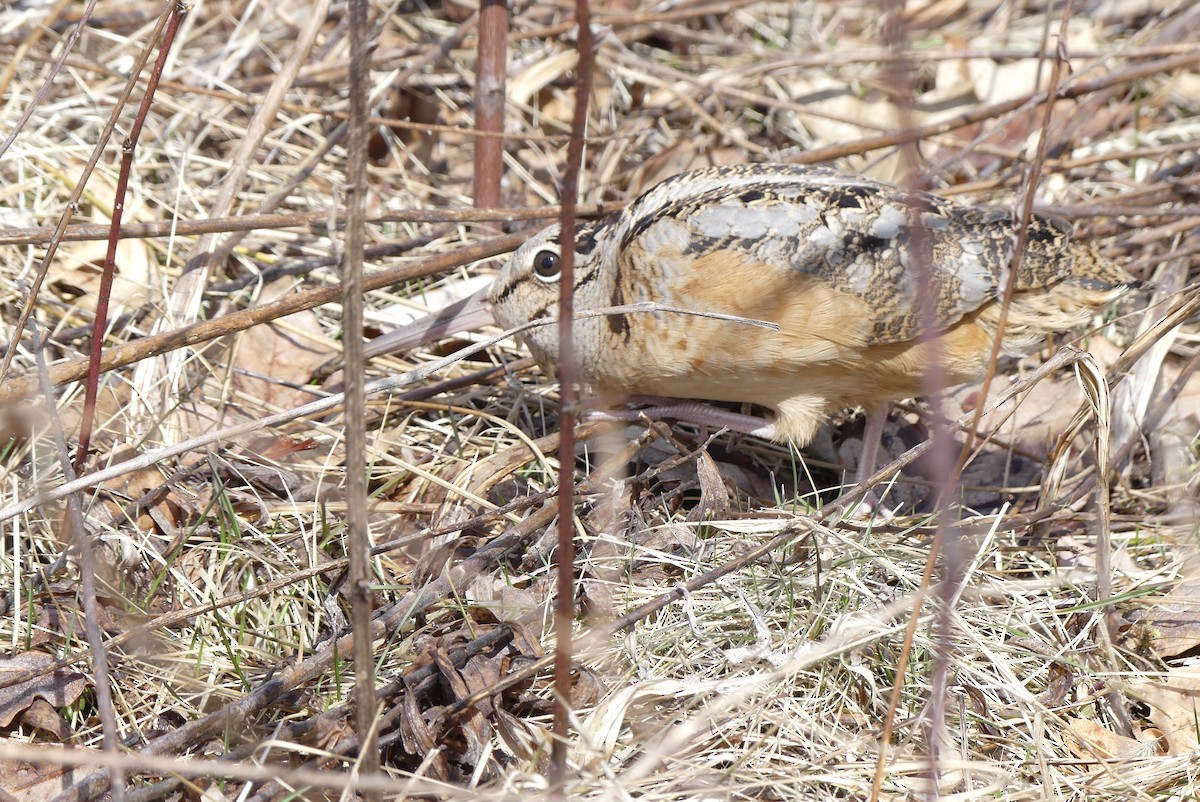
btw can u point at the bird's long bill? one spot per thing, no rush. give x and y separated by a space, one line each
468 314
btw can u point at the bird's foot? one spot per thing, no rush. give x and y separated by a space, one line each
872 506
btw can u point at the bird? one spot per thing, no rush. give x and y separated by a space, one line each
836 262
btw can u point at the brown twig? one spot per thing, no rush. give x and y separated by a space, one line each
103 294
491 66
251 222
358 538
564 608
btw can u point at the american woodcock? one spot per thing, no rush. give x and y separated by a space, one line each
831 258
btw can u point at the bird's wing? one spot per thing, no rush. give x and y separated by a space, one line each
859 239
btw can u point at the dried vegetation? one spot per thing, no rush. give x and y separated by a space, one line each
221 565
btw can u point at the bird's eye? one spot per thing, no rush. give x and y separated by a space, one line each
545 265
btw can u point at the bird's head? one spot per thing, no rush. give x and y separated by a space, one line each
528 286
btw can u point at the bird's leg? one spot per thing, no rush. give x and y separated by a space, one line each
877 415
691 412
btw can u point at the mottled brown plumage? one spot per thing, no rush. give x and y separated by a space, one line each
827 256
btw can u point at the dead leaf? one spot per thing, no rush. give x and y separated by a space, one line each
1174 702
41 715
277 447
527 83
1088 740
35 782
505 602
134 486
417 738
58 687
522 738
76 272
480 672
588 688
596 599
1061 684
523 643
714 498
1174 623
270 357
671 539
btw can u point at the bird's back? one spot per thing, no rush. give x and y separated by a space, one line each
859 237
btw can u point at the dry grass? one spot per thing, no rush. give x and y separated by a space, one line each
221 568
